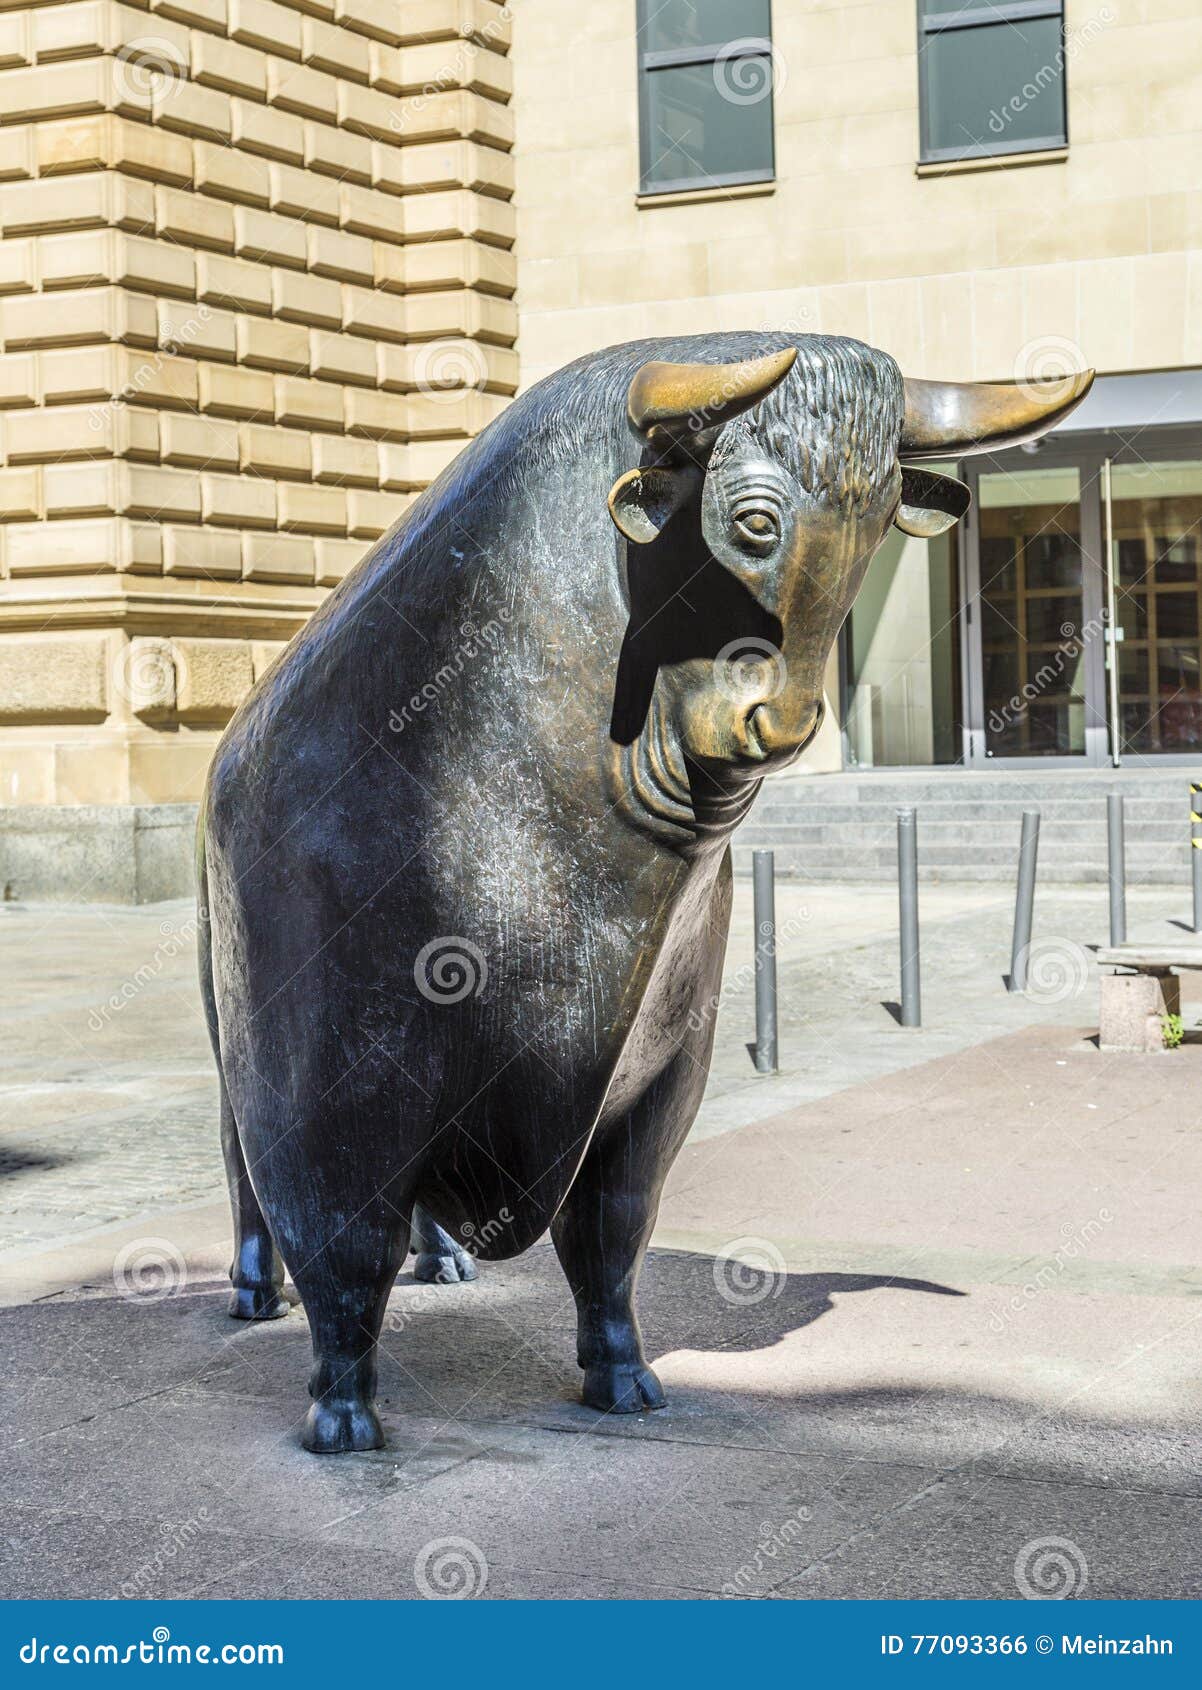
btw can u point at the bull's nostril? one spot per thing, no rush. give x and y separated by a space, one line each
755 739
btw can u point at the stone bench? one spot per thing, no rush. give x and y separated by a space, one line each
1135 1003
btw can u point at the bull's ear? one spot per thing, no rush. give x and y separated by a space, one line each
643 501
930 503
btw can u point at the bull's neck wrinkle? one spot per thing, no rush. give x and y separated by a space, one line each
658 792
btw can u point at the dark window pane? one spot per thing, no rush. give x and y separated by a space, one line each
1134 561
993 86
702 23
1053 620
698 129
1133 672
1177 616
998 559
1176 559
998 626
1132 609
1053 560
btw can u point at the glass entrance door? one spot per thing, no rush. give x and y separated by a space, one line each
1035 638
1155 531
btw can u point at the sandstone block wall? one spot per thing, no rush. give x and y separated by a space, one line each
256 289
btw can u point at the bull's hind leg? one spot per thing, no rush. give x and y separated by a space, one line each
440 1261
602 1231
344 1287
256 1273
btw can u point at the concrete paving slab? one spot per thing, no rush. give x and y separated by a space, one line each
920 1302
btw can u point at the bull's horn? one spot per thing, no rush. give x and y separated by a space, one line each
685 399
947 419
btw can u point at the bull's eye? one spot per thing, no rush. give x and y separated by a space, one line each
756 528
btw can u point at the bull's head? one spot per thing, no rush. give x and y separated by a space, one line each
752 524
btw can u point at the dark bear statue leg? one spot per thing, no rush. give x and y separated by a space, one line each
440 1261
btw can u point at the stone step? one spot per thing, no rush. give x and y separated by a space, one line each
1057 874
1167 816
937 830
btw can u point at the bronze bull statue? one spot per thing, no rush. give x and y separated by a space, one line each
464 865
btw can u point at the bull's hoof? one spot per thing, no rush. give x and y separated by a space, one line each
622 1387
264 1302
444 1270
341 1428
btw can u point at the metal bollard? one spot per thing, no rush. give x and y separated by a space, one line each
907 894
1024 901
764 892
1116 867
1195 840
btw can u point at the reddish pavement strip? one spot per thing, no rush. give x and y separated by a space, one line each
995 1151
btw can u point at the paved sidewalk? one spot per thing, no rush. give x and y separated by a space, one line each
927 1306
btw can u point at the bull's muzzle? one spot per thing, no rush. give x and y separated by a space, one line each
775 736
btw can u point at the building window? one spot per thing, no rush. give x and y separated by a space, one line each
706 76
991 77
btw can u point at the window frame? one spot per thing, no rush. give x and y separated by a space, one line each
674 58
949 16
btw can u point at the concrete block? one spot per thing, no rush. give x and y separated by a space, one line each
202 552
53 678
144 675
273 345
310 404
342 358
229 174
234 392
336 558
264 236
237 501
315 300
262 24
338 51
337 153
1132 1010
341 460
233 283
264 130
345 257
234 69
277 557
312 510
195 220
282 453
302 91
212 678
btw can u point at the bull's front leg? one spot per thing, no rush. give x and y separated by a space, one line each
602 1231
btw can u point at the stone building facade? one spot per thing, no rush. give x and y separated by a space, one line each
263 265
256 288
